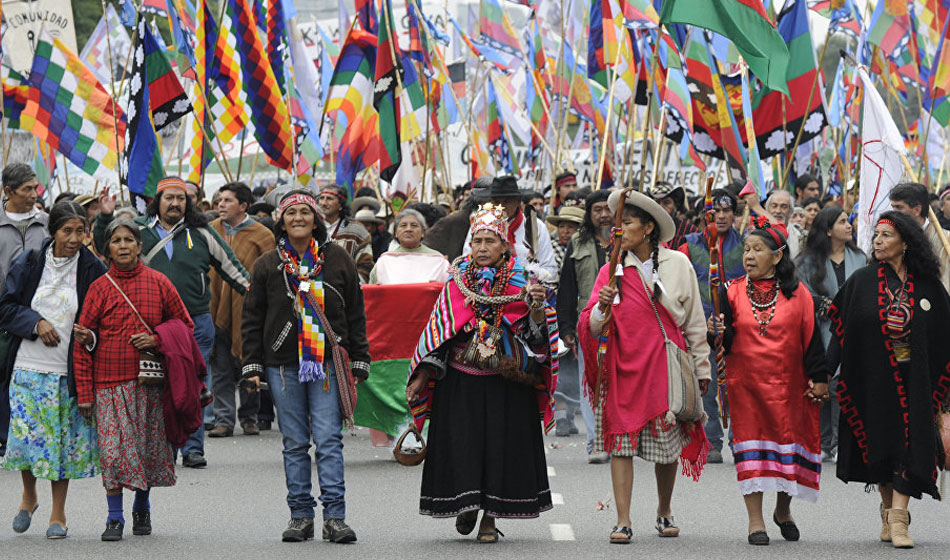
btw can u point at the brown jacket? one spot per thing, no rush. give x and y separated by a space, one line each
227 305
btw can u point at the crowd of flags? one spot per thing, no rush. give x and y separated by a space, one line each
735 83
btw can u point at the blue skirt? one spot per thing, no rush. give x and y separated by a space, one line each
48 436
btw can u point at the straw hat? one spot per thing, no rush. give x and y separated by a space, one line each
573 214
367 215
648 205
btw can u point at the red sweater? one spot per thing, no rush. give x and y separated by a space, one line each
115 360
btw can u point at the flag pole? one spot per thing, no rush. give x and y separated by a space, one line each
115 117
69 187
610 108
393 37
646 116
930 209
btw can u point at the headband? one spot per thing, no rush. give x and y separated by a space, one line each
725 200
297 198
776 232
335 193
887 221
565 179
171 183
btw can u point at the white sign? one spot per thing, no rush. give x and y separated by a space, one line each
25 19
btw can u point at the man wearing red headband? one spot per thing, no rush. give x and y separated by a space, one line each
177 242
350 235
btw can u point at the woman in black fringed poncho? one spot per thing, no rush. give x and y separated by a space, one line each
889 325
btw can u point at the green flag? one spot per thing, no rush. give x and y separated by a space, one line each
746 24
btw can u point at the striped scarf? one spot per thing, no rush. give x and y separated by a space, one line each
305 275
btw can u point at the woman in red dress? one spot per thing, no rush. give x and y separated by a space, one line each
777 379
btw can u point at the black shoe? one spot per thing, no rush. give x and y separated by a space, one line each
113 530
141 522
336 530
298 530
263 425
789 529
194 461
759 538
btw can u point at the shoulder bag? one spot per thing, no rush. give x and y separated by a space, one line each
150 363
683 394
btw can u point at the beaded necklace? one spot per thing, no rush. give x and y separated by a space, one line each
763 303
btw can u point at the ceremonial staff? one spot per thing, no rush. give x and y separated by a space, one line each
615 235
712 241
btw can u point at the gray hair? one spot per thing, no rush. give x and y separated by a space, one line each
126 223
410 212
129 212
778 192
16 174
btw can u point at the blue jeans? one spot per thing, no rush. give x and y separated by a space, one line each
204 336
304 412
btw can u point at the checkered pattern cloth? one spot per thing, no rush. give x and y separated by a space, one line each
663 448
105 311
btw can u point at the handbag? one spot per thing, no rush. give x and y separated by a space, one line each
341 362
151 370
410 457
683 394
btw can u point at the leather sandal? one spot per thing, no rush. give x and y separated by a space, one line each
788 528
666 527
465 522
621 535
489 537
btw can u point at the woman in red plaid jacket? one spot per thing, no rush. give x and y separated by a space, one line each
134 451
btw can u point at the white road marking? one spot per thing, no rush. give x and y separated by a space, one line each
551 471
557 499
562 532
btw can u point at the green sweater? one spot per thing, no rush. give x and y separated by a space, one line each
194 252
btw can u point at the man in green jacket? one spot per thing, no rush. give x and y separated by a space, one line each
177 241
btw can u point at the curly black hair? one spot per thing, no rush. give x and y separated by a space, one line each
919 257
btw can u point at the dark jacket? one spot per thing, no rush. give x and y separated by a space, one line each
184 369
16 315
269 323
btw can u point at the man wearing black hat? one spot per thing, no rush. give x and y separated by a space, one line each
673 200
527 234
696 248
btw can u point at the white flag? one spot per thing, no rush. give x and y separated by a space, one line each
881 166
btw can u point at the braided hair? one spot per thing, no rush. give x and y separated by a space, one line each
645 218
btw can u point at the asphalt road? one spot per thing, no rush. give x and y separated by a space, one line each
236 509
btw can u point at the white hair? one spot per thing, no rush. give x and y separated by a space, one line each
410 212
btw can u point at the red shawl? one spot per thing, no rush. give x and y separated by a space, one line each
635 370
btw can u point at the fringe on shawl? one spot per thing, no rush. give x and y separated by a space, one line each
694 454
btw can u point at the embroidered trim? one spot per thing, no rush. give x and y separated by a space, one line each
282 336
250 369
360 365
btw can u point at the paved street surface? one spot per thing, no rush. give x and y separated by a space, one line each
236 509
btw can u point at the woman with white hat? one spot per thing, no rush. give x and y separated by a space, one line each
655 286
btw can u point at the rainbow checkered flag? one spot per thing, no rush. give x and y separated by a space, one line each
71 111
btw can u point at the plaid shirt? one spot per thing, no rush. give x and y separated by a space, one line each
105 311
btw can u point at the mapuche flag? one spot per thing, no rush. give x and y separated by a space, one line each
746 24
385 95
143 168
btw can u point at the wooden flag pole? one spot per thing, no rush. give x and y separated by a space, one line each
657 149
69 187
610 108
930 209
115 108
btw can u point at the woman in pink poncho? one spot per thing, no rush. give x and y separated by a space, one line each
632 414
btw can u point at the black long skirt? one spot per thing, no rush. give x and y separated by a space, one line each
485 449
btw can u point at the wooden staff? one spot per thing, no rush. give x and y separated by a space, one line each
715 279
930 209
615 237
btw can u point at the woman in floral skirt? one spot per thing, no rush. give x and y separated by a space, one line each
43 294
